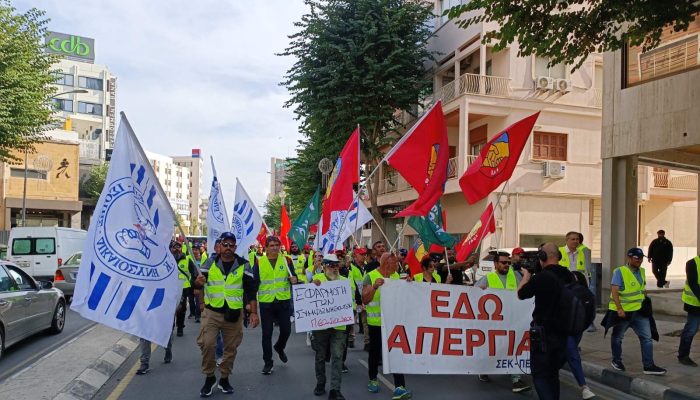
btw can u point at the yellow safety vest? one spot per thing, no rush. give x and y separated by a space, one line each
631 298
299 267
374 310
421 277
356 274
274 282
495 281
323 278
688 296
184 272
217 289
203 258
580 258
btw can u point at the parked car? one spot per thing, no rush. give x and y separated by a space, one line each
66 275
3 252
27 306
39 251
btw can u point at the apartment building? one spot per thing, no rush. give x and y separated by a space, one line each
278 172
194 163
175 180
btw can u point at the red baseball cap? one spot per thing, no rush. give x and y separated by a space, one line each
518 250
360 250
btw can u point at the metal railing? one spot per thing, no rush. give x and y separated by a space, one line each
452 168
396 183
485 85
665 180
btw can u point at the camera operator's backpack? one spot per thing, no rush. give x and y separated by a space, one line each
576 309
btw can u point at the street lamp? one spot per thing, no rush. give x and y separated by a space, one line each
24 190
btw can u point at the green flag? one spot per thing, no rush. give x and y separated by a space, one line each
308 217
430 228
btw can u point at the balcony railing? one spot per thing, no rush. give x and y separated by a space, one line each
89 149
485 85
665 180
396 183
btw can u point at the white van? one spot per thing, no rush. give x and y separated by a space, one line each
41 250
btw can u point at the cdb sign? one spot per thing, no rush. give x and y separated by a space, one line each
70 46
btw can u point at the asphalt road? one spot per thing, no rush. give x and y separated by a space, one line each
25 353
295 380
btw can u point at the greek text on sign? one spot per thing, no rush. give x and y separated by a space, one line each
321 307
449 329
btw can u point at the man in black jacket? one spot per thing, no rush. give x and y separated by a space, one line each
660 255
548 346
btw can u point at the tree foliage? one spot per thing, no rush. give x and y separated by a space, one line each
567 31
273 209
357 62
95 181
25 80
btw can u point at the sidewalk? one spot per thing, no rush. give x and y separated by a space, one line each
681 382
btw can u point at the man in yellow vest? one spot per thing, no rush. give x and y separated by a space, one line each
371 298
299 261
333 339
576 256
691 305
198 258
627 292
228 281
275 274
504 278
187 273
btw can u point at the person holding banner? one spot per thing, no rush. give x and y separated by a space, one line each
503 278
228 281
371 297
275 274
331 340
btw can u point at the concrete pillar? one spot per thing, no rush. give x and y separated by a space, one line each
463 144
619 215
75 220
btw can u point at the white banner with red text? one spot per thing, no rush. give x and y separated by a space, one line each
321 307
453 329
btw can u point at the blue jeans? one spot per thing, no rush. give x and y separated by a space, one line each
573 357
691 328
640 325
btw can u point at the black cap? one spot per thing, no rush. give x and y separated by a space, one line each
227 236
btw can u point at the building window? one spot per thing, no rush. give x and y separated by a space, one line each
89 108
557 71
90 83
31 173
549 146
63 104
64 79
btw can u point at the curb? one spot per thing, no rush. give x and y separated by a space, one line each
639 387
86 385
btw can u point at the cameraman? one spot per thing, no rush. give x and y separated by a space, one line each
548 347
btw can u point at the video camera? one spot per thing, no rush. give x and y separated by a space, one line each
530 261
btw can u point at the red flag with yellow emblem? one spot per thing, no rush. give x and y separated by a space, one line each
485 225
496 161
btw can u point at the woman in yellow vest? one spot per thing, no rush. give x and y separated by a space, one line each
627 292
429 275
691 305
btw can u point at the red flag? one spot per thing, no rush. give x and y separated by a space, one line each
262 235
483 226
339 195
415 254
496 161
285 227
421 157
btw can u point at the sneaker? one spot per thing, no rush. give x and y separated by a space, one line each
225 386
143 369
687 361
654 370
373 386
520 386
179 332
344 369
208 387
197 321
586 393
319 390
267 369
667 284
401 393
335 395
168 357
618 365
484 378
281 354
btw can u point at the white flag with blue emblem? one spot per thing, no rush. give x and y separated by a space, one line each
343 225
217 220
128 279
246 221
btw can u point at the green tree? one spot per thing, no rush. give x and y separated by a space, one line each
357 62
567 31
194 226
273 209
25 80
93 184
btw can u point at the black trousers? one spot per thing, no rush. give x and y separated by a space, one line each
194 304
659 269
375 354
546 359
278 311
181 309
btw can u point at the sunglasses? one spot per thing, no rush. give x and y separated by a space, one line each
228 245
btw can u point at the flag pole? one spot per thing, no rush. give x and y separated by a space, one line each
157 185
398 237
493 213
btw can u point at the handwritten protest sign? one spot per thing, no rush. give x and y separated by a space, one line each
452 329
322 307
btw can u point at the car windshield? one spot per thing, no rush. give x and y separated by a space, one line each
74 260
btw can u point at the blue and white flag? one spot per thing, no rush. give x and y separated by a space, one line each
217 220
128 278
343 225
246 221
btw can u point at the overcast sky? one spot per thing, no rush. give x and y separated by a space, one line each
196 74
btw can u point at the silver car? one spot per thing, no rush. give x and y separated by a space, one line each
66 275
27 306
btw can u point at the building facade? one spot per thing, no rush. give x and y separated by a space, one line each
194 163
175 180
278 172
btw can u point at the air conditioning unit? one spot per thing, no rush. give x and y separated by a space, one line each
544 83
554 169
562 85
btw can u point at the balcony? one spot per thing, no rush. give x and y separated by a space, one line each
394 182
677 181
484 85
666 184
89 149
